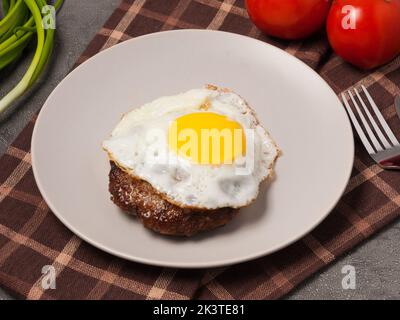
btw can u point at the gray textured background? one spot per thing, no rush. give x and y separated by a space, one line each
377 261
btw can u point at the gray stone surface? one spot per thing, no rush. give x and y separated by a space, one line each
377 261
377 267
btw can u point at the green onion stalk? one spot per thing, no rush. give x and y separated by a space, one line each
24 21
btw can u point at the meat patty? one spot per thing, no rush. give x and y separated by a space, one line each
138 197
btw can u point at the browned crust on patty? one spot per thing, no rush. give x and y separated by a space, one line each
138 197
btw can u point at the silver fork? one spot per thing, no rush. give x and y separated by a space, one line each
385 153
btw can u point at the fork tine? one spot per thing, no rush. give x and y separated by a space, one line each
375 142
383 122
356 125
371 119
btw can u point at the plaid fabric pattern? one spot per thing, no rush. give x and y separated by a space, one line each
31 236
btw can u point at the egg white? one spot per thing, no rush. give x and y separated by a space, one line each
139 145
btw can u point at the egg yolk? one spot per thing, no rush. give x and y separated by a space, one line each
207 138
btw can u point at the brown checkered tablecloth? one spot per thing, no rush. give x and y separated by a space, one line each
31 236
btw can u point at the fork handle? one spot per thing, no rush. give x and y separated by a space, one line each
391 163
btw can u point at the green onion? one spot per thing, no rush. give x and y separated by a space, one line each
18 18
22 20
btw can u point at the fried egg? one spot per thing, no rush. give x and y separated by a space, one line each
203 148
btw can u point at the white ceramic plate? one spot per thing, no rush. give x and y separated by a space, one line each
302 113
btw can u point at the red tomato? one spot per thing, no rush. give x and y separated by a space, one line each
365 33
288 19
